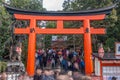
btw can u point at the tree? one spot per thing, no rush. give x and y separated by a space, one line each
27 4
7 23
109 22
76 5
4 29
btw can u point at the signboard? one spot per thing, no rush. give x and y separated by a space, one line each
59 38
111 71
97 67
117 49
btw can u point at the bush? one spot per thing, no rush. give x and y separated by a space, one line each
3 66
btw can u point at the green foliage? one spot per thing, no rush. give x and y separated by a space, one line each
110 23
47 40
7 26
4 28
110 42
24 51
27 4
3 66
51 24
76 5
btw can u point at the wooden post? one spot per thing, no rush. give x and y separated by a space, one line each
87 48
31 48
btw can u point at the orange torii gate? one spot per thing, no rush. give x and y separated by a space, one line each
60 17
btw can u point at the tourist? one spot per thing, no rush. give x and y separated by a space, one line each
64 64
44 59
39 52
75 66
21 77
82 66
26 77
48 75
63 77
57 72
114 78
70 75
3 76
85 78
76 75
38 75
36 59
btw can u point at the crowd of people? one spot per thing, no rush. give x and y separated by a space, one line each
67 59
56 64
49 74
58 74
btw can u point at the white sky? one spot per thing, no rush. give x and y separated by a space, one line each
53 5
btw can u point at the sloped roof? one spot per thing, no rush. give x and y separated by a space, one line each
105 10
107 56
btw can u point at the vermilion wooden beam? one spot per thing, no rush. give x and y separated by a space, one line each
58 18
22 30
59 31
97 31
60 25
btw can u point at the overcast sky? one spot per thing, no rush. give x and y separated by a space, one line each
53 5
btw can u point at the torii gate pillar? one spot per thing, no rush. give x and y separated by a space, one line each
87 48
31 48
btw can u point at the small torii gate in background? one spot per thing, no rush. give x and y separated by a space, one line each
59 17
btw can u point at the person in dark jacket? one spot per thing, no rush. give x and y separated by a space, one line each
48 75
38 75
114 78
